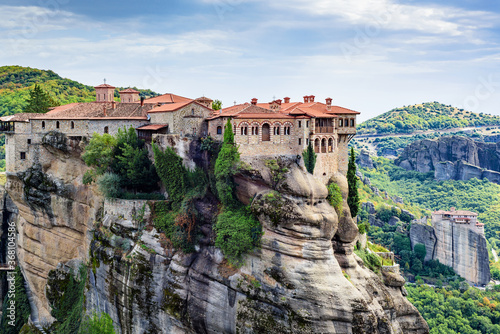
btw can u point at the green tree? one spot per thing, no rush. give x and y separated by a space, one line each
99 153
309 158
420 251
21 305
172 173
217 105
97 324
352 181
225 167
39 101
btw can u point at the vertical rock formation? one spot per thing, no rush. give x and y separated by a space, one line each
457 246
304 279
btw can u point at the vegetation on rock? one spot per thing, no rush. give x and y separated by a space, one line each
17 298
97 324
39 101
335 197
226 166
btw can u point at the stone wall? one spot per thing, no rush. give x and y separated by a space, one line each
128 209
456 245
188 120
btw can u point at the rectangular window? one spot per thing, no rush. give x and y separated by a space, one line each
23 155
307 141
300 141
307 124
300 124
29 141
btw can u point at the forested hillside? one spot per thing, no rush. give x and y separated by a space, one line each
17 81
425 116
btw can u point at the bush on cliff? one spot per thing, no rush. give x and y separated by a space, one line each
238 232
97 324
123 155
335 197
309 158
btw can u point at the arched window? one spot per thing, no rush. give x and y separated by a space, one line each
316 145
341 123
286 130
330 145
57 125
266 132
106 129
219 130
72 124
43 124
323 145
244 130
276 131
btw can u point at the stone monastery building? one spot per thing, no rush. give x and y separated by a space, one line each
277 127
461 217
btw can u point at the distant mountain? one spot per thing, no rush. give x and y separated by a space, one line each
17 81
425 116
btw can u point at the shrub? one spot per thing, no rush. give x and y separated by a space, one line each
172 173
238 232
335 197
97 324
309 158
109 185
370 260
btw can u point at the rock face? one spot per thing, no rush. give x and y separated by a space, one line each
304 278
364 160
456 246
453 158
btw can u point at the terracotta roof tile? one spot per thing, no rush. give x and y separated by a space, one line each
129 90
104 86
167 98
96 110
152 127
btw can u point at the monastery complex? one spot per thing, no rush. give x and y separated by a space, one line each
277 127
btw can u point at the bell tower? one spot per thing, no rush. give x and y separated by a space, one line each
104 93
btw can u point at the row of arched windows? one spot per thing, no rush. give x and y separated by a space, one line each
324 145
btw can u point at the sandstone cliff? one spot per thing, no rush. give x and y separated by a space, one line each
456 246
454 157
304 279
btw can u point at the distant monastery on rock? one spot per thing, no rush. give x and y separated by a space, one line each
277 127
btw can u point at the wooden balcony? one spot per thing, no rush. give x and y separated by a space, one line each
7 126
324 129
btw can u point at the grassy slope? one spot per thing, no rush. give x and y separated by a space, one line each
425 116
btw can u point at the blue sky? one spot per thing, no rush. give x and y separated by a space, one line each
368 55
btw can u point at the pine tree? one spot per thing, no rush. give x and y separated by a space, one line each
225 166
309 158
352 181
39 101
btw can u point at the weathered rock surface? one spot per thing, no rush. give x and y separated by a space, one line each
453 158
364 160
295 283
456 246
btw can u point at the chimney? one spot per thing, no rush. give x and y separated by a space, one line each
278 102
287 99
105 114
142 101
306 99
311 98
328 103
254 101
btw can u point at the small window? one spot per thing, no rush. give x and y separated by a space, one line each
307 141
219 130
300 124
29 141
192 111
106 129
300 141
23 155
57 125
340 122
346 122
352 122
72 124
43 124
307 124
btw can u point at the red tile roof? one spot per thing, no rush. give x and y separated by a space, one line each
287 110
104 86
129 90
167 98
455 213
152 127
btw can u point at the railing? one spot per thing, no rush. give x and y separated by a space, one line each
7 126
324 129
